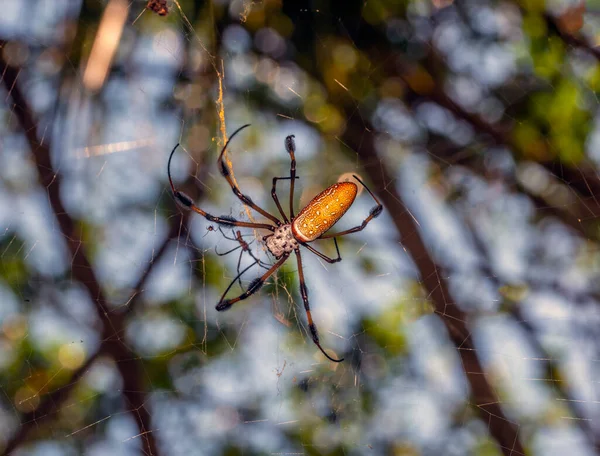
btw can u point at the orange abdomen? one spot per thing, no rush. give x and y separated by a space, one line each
323 211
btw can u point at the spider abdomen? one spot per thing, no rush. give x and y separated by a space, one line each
323 211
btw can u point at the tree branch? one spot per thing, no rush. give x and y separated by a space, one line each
485 399
82 271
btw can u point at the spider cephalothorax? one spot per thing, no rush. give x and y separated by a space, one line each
281 242
311 223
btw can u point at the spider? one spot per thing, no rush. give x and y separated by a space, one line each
287 235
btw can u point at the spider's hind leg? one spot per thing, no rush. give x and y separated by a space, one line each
311 325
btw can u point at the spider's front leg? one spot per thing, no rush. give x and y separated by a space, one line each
290 146
236 190
276 198
186 202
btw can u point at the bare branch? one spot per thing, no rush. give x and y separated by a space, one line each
485 399
82 271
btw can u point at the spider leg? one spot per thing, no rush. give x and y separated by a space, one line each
374 212
322 255
311 325
239 261
239 264
227 175
254 286
228 252
256 261
235 279
186 202
290 146
233 238
276 199
244 246
260 262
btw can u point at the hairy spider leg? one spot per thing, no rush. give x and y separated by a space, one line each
374 212
311 325
186 202
290 146
236 278
254 286
237 237
232 238
276 198
227 175
245 246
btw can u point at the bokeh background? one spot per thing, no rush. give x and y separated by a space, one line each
468 312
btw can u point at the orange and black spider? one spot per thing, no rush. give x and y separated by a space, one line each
311 223
158 6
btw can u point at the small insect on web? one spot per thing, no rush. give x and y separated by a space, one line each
158 6
288 234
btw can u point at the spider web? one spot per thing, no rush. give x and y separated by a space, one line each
144 363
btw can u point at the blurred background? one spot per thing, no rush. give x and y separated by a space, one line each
468 312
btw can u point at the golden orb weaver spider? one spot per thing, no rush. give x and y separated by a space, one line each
311 223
